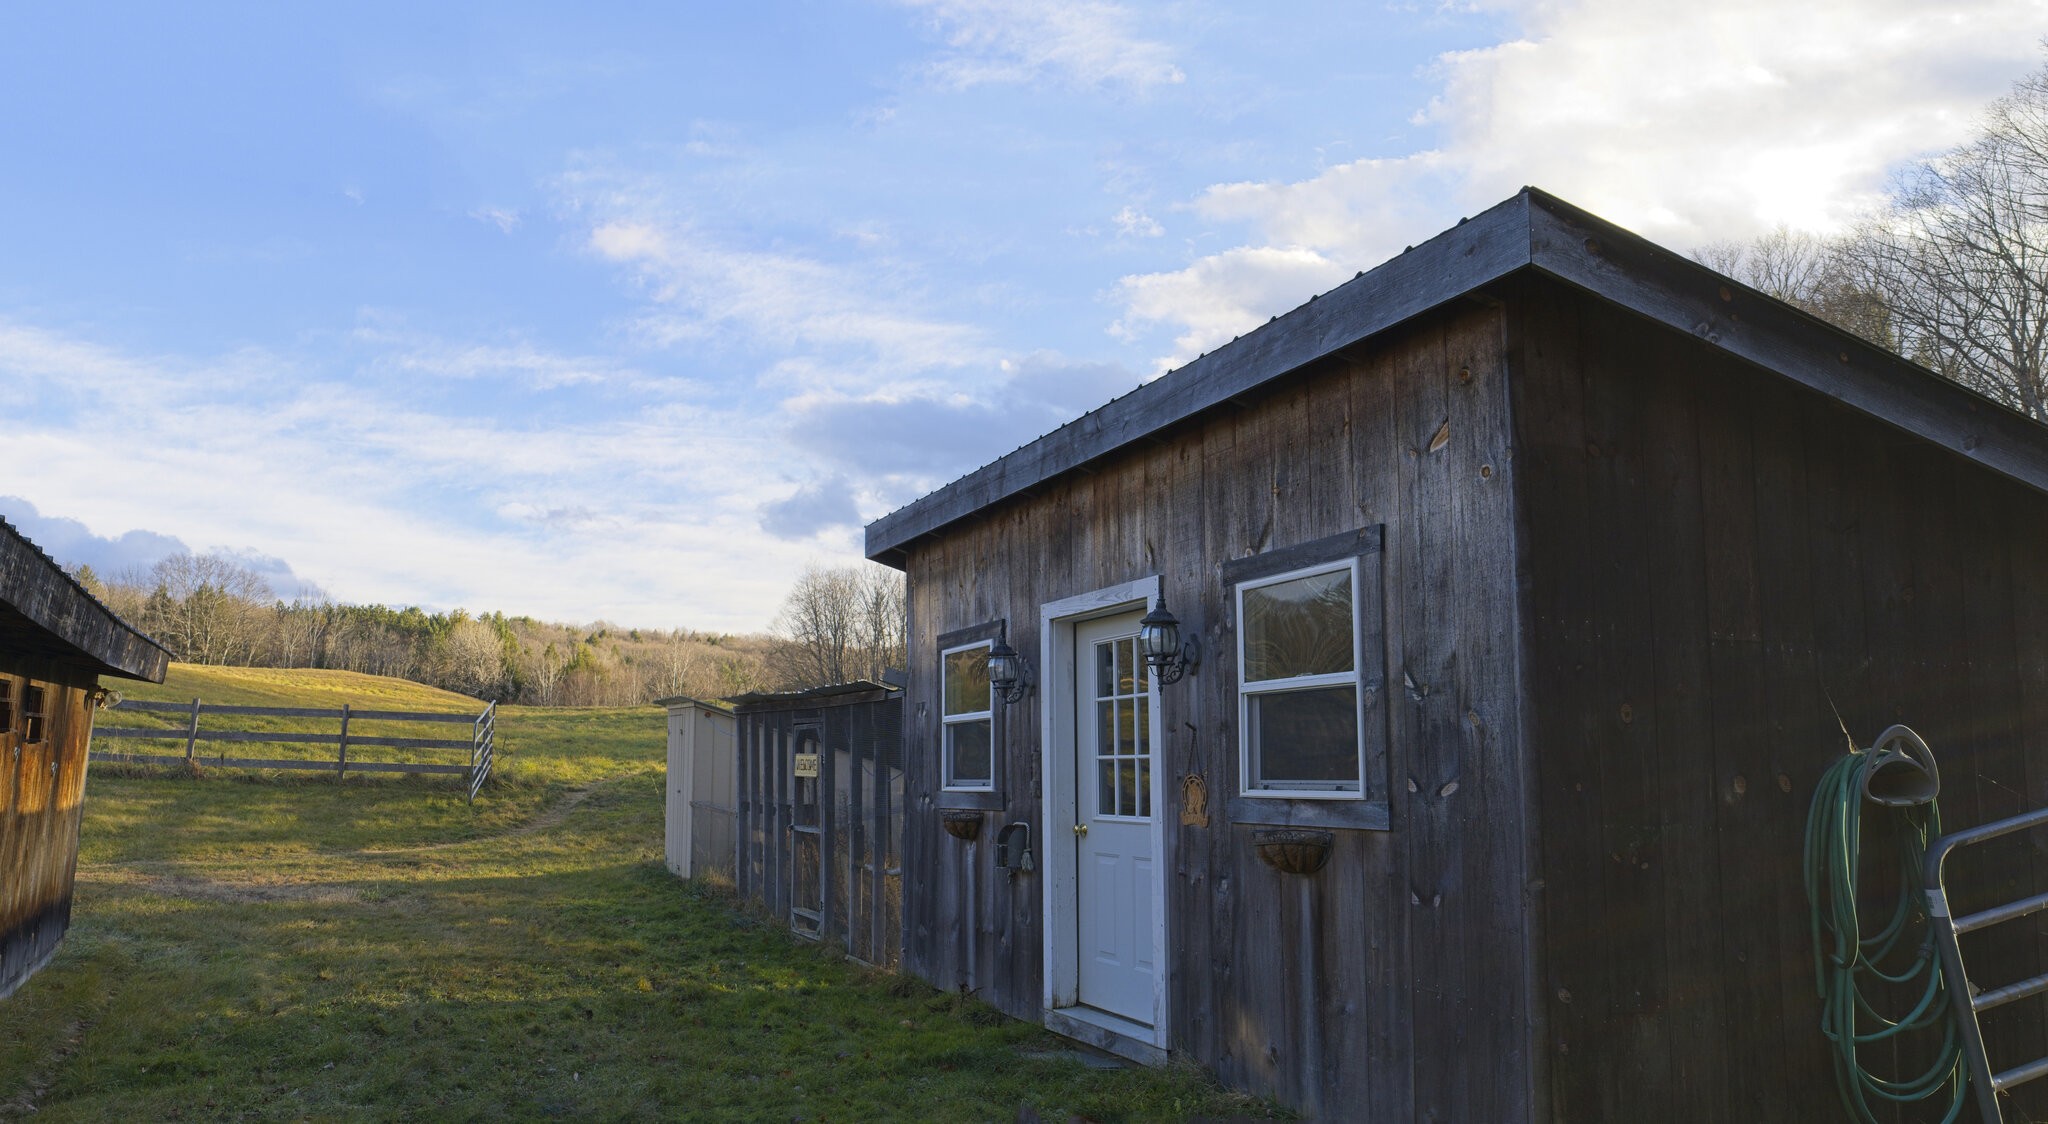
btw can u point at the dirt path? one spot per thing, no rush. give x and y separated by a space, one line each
547 820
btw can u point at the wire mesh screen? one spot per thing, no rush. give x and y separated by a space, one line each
824 848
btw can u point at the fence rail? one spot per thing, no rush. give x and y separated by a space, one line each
480 743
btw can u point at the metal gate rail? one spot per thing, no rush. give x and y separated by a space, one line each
1969 1002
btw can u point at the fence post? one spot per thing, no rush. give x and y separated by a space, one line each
192 734
341 750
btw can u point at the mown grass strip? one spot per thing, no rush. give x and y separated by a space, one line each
291 947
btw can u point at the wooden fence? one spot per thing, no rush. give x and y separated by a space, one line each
820 830
480 744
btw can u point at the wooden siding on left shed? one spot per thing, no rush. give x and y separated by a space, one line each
42 795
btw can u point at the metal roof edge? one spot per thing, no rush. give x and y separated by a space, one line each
1476 251
1577 247
1533 229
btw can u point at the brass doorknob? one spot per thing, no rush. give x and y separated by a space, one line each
1080 829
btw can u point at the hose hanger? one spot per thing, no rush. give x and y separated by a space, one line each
1902 772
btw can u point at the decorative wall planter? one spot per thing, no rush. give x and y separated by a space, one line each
1293 850
962 824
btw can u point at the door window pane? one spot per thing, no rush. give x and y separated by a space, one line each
1122 736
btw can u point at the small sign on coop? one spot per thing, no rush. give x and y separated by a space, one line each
806 764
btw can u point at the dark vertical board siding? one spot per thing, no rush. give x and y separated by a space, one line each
1794 722
1207 854
1676 715
1428 724
922 950
1381 884
1550 417
1992 675
1736 559
2030 632
1304 988
1619 728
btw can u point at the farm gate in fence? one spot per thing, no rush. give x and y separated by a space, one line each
820 790
479 746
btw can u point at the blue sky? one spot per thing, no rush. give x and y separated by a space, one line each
632 311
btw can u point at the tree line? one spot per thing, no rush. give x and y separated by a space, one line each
837 624
1951 271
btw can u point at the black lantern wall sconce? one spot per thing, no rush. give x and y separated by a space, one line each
1165 652
1009 674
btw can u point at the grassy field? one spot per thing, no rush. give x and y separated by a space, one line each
291 947
327 690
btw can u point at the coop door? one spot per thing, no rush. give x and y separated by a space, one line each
806 833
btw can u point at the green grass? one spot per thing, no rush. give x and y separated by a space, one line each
293 947
256 686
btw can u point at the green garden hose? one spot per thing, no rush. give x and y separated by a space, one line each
1899 954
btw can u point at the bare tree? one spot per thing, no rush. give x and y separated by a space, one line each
544 671
674 667
1814 274
207 607
299 630
473 660
1960 259
840 624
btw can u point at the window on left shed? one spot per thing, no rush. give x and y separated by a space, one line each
32 713
968 738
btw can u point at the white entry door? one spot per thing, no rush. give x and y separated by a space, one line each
1116 871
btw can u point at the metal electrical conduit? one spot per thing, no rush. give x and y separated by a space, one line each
1898 773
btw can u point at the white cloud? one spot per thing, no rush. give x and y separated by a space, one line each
1224 295
1686 122
519 362
506 219
787 297
1695 122
1134 223
1089 44
358 484
860 324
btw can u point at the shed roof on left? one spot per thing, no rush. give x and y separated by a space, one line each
44 612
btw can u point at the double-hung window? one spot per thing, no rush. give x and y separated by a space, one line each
968 737
1299 703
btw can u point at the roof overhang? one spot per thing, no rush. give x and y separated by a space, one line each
832 694
44 612
1531 231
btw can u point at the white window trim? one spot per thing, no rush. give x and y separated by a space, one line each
947 721
1245 689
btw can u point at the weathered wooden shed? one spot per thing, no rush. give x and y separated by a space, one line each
56 640
820 779
1532 566
703 796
